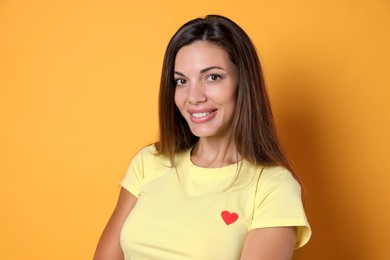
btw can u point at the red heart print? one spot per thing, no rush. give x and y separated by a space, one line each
228 217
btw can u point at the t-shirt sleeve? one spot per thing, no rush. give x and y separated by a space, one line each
135 174
278 203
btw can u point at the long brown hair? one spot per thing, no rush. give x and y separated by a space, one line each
253 129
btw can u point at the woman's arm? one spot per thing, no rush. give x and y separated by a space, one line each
276 243
108 247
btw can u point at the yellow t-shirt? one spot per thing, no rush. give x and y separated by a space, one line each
189 212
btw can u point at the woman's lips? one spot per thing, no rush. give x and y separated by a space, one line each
202 116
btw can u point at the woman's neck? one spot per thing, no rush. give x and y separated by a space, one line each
212 153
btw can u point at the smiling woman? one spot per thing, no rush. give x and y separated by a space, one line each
206 87
217 184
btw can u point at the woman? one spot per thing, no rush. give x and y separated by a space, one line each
217 184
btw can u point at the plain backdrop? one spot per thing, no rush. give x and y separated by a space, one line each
78 97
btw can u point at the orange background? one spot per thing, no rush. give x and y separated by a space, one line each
78 97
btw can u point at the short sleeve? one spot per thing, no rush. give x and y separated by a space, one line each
135 174
278 203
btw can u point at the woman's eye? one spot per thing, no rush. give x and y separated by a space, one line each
213 77
179 82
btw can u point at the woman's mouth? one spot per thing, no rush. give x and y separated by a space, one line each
202 114
201 117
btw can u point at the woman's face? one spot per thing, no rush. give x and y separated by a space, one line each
206 86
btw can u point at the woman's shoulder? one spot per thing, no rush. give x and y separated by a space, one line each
147 150
146 153
267 172
276 171
276 175
151 154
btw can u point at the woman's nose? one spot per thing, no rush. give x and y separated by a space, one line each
196 93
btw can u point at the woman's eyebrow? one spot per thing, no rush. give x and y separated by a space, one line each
210 68
179 73
202 71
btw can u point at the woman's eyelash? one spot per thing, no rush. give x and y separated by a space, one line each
214 77
180 81
210 77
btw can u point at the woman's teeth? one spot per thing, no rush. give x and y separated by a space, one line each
199 115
